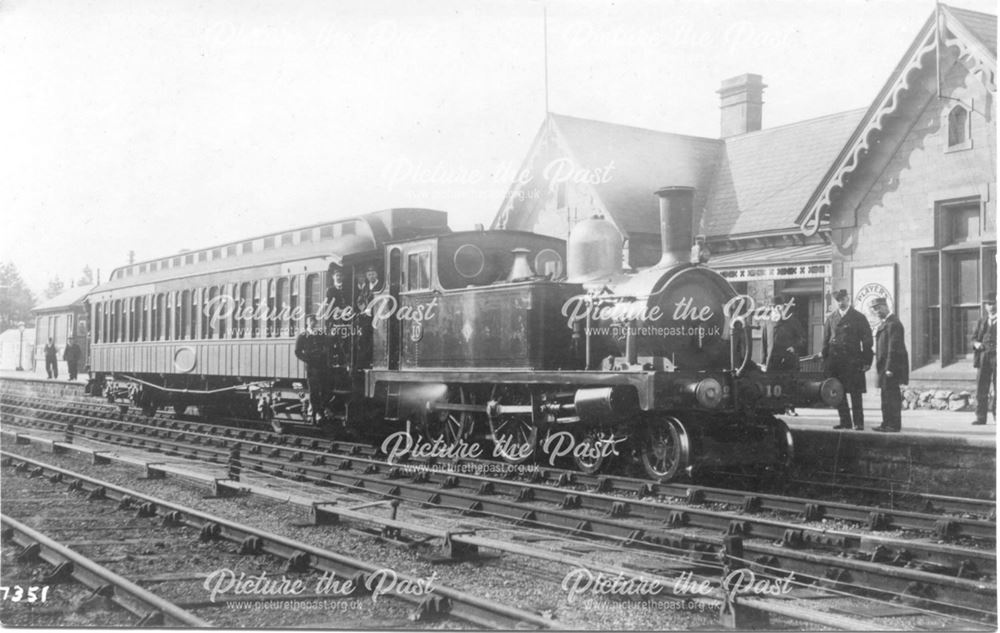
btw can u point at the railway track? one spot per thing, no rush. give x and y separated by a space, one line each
386 481
895 508
188 539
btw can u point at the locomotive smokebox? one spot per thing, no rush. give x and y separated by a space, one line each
676 219
593 252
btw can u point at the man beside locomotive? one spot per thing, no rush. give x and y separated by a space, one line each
339 329
984 343
847 355
310 348
892 364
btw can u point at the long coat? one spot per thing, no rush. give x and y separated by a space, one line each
986 333
890 351
778 337
847 348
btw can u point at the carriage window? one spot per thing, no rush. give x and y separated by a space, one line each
185 314
142 268
247 247
158 328
97 323
293 303
202 256
202 318
244 303
280 320
418 271
268 289
268 243
168 317
210 325
189 259
231 250
312 293
220 306
326 231
216 253
286 239
254 305
305 235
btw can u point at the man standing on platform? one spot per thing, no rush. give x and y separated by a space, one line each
892 363
984 343
72 355
847 355
51 364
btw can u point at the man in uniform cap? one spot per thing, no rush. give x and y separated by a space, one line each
984 342
892 363
847 355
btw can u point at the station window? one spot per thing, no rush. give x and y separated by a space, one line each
286 239
142 268
418 271
231 250
268 243
202 256
246 247
177 262
326 232
216 253
949 283
189 259
305 235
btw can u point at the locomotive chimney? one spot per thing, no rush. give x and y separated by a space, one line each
521 268
676 207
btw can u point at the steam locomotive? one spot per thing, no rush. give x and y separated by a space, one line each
536 346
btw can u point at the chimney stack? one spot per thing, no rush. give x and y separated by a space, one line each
742 104
676 209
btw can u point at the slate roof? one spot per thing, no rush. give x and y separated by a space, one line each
65 299
982 25
765 178
644 161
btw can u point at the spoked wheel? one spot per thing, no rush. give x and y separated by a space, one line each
590 452
515 436
665 449
451 427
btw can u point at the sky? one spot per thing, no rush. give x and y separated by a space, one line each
158 126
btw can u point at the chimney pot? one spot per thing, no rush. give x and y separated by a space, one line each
742 104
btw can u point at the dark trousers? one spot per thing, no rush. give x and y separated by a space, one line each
319 387
892 404
52 368
845 413
71 366
984 380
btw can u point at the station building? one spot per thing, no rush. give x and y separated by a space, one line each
60 318
896 199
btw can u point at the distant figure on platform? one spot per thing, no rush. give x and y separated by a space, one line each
783 337
892 363
984 344
847 355
310 348
51 362
368 287
72 355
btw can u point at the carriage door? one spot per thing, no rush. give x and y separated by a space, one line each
393 326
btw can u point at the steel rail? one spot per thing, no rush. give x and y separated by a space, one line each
150 608
462 605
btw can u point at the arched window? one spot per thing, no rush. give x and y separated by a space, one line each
196 296
958 127
168 321
115 310
158 317
269 323
221 325
98 314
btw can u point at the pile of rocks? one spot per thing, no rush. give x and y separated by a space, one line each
939 399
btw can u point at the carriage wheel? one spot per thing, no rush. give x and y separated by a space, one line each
515 436
451 427
665 449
